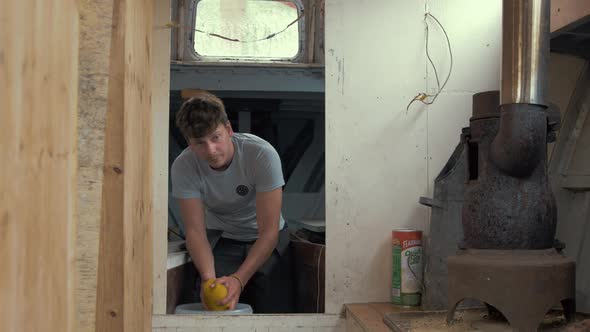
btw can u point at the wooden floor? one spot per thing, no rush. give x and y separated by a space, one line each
368 317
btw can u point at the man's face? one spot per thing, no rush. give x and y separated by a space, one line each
216 148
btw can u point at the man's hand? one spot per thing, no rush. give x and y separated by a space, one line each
234 290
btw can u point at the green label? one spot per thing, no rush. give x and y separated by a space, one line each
414 256
396 283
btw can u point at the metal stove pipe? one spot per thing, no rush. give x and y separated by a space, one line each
525 51
520 144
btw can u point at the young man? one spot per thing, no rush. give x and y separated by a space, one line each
232 182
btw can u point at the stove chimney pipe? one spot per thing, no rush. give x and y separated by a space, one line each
508 200
521 142
525 51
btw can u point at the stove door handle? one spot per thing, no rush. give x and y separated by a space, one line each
430 202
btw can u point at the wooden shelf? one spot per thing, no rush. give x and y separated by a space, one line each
368 317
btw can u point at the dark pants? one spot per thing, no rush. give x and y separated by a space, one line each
270 290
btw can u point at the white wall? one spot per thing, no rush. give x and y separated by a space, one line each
379 158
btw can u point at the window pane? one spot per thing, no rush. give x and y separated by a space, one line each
248 21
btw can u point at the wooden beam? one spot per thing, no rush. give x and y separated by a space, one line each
258 322
109 289
38 110
161 113
95 39
124 289
566 12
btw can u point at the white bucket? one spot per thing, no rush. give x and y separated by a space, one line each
197 309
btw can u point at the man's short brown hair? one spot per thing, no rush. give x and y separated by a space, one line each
200 115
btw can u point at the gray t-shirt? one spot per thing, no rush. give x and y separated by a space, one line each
229 196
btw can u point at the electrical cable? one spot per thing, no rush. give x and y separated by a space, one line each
421 97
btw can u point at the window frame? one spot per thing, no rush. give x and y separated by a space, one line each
190 12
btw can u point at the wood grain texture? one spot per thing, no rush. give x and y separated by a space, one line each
367 317
352 325
197 323
95 41
138 216
109 304
38 107
124 288
160 112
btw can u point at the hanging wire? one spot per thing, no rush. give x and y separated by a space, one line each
430 59
272 35
422 97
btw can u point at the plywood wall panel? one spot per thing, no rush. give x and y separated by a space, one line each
380 157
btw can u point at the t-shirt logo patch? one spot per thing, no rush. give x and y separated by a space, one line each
242 190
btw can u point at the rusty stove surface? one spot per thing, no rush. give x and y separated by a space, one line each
508 259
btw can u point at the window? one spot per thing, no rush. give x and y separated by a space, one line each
248 29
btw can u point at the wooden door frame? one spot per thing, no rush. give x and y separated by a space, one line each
160 130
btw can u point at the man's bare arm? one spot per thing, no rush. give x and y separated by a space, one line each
196 237
268 213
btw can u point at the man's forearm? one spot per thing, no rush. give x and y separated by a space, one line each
200 251
259 253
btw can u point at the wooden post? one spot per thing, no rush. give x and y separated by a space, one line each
38 110
95 39
124 289
161 113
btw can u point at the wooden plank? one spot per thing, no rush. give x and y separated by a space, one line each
197 323
95 38
367 317
383 308
339 328
352 325
160 111
109 304
125 274
289 329
138 215
38 177
566 12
